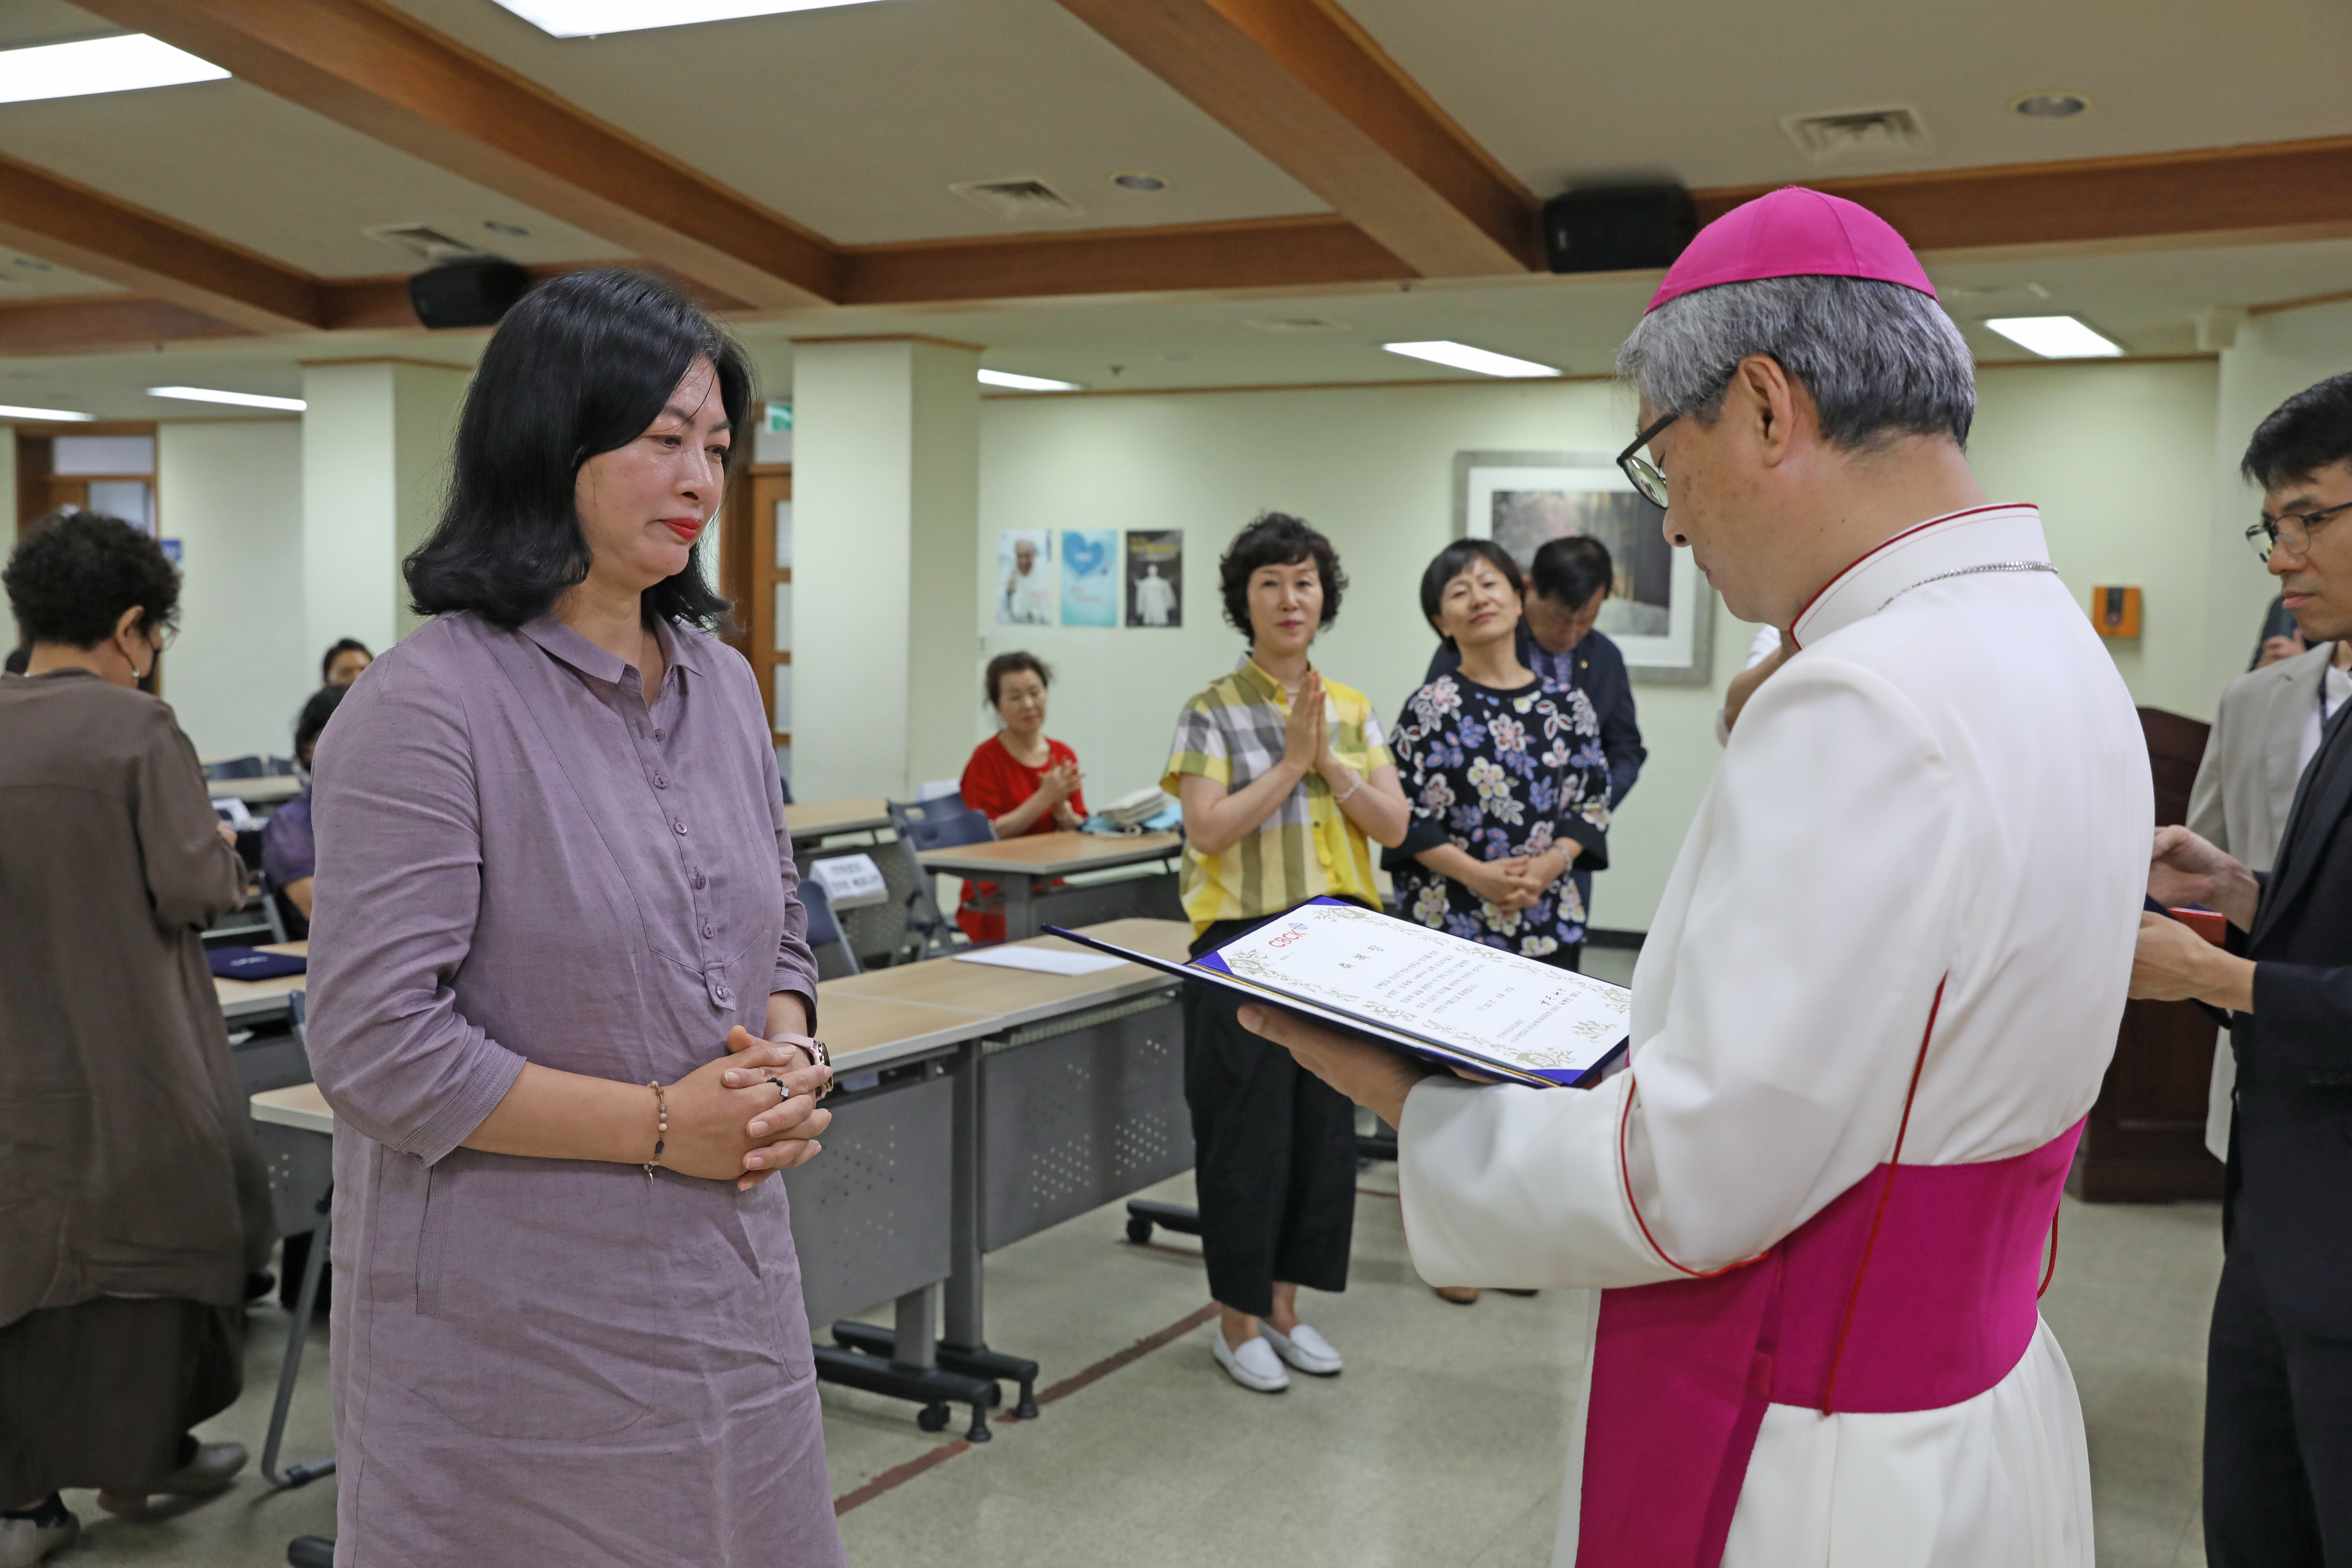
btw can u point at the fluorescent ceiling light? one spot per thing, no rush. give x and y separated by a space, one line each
1461 356
98 65
586 18
242 399
8 412
1027 383
2054 337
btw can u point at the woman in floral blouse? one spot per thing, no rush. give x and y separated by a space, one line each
1504 773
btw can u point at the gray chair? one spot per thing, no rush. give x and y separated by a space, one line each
834 956
943 822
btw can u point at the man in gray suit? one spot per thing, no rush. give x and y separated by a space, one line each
2266 731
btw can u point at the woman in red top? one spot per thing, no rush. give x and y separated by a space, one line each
1023 781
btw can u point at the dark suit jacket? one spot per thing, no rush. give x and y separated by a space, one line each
1601 676
2291 1159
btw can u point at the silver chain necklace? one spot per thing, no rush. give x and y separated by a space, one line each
1971 572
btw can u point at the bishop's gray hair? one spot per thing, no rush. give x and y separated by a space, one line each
1879 359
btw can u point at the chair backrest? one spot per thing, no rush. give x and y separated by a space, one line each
824 937
942 823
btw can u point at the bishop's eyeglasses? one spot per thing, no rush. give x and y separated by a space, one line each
2291 529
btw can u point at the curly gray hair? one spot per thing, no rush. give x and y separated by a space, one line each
1879 359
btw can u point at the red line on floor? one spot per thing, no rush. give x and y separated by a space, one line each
899 1475
1134 1353
896 1476
1377 1193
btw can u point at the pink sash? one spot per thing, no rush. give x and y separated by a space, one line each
1682 1370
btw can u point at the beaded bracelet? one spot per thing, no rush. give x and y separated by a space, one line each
661 1127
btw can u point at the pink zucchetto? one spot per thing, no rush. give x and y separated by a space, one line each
1793 233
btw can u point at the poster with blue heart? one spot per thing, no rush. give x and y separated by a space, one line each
1090 582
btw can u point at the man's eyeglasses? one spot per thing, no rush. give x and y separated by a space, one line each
1641 470
2292 530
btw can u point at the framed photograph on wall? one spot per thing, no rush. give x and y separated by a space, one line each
1660 612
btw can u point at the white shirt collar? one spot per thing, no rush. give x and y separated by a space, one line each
1981 536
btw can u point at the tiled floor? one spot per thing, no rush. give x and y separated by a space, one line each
1441 1444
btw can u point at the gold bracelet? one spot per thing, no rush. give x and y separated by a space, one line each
661 1128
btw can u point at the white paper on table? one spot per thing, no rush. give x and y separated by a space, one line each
1431 984
1040 960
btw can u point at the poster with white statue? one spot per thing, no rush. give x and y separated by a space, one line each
1155 578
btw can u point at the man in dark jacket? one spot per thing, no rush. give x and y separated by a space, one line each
1567 585
2278 1404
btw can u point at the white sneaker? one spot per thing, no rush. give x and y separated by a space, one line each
1254 1366
1304 1349
22 1542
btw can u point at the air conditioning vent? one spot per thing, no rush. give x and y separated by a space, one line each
1018 201
423 241
1859 135
1296 324
1994 293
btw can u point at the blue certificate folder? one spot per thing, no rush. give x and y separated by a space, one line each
1210 969
252 963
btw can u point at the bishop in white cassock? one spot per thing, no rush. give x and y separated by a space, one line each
1879 992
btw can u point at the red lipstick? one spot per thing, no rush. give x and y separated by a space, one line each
686 528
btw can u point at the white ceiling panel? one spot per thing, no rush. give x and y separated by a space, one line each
1695 89
231 161
854 120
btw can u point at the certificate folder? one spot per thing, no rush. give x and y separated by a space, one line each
1415 990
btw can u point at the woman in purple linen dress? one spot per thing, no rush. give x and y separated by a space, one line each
553 870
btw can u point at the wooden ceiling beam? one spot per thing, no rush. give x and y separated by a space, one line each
73 225
102 324
2231 196
375 70
2271 192
1310 89
1272 253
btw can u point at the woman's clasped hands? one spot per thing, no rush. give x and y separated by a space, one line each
729 1116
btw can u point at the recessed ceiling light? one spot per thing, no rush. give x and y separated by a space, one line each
2054 337
587 18
1135 180
1027 383
2050 105
119 64
511 230
243 399
7 412
1461 356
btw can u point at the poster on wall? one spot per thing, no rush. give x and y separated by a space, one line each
1155 578
1025 577
1660 611
1090 577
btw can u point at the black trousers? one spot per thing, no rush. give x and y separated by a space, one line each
2278 1433
1274 1159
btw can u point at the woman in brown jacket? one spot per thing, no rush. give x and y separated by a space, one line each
132 1206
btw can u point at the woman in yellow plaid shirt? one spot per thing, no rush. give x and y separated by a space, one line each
1284 776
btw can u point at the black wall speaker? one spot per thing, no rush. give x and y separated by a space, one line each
1618 228
467 293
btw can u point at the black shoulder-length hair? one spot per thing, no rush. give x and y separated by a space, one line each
1454 560
581 366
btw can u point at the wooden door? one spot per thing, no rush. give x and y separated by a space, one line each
2144 1142
756 570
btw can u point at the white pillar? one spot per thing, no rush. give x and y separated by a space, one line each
376 463
885 510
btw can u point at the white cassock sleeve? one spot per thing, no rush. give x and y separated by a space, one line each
1807 924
